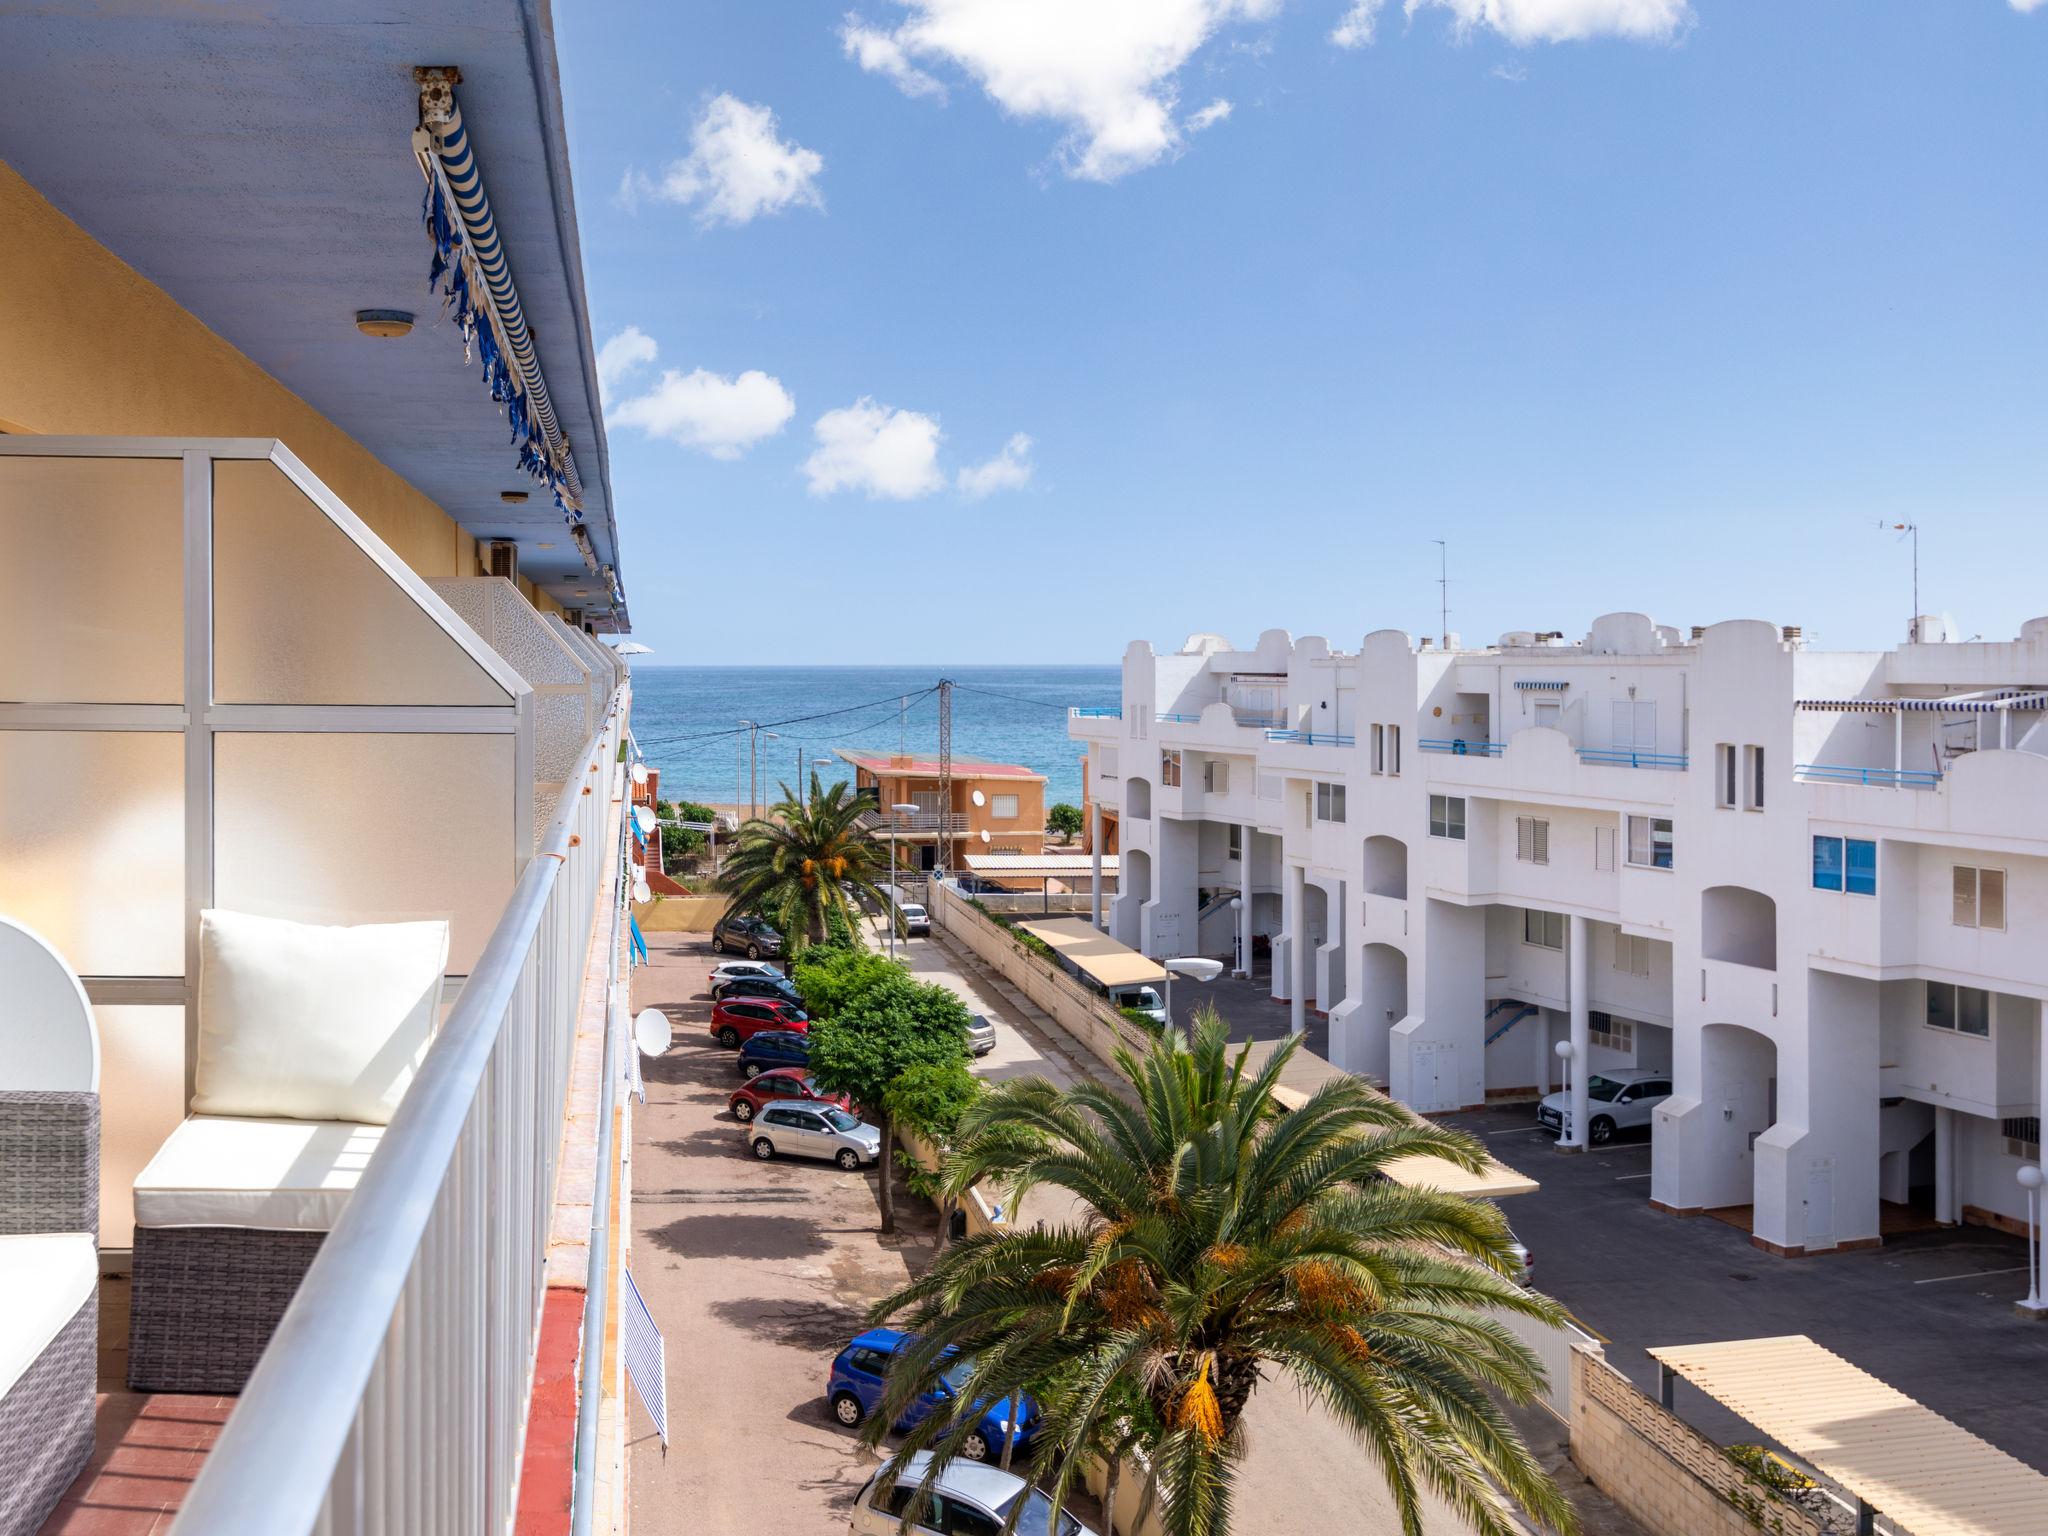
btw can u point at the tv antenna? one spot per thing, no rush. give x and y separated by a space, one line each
1912 531
1443 593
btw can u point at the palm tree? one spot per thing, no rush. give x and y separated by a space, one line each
1226 1239
805 862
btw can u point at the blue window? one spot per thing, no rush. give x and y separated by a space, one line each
1845 864
1862 867
1827 863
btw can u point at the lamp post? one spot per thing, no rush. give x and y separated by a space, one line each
1237 937
896 813
1195 968
1573 1137
2030 1181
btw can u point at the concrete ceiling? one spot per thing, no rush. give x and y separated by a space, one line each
254 159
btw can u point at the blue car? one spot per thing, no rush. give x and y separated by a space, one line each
859 1374
774 1048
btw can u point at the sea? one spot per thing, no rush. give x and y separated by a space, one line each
687 721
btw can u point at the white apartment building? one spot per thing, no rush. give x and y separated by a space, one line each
1809 884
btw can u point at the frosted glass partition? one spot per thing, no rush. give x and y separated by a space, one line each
362 829
606 670
219 687
92 846
559 677
95 592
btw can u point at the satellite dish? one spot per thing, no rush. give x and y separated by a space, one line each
979 798
642 891
644 818
652 1032
984 834
639 773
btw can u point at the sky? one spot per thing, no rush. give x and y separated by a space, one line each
1014 330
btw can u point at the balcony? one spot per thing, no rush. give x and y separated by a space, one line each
1871 778
1459 746
1629 757
1292 738
229 679
915 824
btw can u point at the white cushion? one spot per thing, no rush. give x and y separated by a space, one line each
311 1022
280 1175
44 1279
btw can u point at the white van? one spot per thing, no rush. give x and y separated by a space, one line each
1140 999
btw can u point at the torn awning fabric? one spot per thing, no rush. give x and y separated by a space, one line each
471 272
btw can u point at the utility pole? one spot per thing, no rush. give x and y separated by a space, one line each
801 794
1443 593
738 756
1912 530
945 838
753 771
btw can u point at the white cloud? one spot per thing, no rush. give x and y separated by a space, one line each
1209 116
1107 73
876 449
722 416
738 168
879 53
1511 72
2026 6
1009 470
1355 28
1563 21
622 357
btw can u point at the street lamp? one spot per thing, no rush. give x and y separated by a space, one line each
895 811
1572 1136
1195 968
2030 1181
1237 937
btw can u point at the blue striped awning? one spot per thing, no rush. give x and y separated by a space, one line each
1532 686
2037 699
470 268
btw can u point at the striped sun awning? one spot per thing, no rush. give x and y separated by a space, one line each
2034 700
1534 686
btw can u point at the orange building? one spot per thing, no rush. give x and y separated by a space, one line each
996 807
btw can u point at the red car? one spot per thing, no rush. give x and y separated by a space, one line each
781 1083
739 1018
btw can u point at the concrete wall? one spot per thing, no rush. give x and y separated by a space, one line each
1660 1470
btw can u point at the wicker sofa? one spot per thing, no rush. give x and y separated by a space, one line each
49 1275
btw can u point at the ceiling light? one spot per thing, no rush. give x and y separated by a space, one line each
543 546
384 322
512 496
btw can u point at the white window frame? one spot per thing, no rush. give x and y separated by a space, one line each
1752 778
1956 997
1631 954
1973 875
1649 826
1215 776
1329 801
1393 751
1532 839
1605 837
1379 749
1169 767
1543 925
1440 817
1234 848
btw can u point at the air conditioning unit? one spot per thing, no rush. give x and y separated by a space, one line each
500 558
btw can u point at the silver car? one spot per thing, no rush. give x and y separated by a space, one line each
969 1496
981 1035
1618 1100
797 1129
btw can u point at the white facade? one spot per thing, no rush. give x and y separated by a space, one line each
1759 866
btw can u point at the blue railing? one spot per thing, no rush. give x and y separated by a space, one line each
1883 778
1172 719
1312 738
1624 757
1260 722
1100 712
1458 746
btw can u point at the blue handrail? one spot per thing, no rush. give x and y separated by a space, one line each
1625 757
1312 738
1099 712
1460 746
1262 722
1883 778
1178 719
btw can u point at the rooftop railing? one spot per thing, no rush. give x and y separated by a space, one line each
1460 746
1177 719
1628 757
1880 778
393 1396
1311 738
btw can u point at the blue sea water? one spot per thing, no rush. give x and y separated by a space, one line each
686 720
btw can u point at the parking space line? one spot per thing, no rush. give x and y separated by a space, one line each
1975 1274
1623 1178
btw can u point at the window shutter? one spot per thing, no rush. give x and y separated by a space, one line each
1603 848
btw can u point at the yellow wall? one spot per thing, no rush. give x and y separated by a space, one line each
88 346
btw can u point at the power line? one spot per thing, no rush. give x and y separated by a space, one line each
1014 698
769 725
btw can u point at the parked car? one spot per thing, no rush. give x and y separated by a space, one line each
1615 1101
740 1019
916 920
1524 1261
791 1128
759 986
749 936
781 1083
967 1498
774 1048
1140 999
853 1390
733 970
981 1035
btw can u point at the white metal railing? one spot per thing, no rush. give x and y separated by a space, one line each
393 1396
920 821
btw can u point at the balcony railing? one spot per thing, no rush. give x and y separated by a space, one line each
1628 757
1099 712
1238 717
1459 746
1311 738
928 822
394 1394
1165 717
1881 778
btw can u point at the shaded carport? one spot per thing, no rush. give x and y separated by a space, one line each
1888 1452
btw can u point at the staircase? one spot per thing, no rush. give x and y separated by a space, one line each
1520 1011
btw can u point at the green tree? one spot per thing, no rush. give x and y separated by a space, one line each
1228 1239
874 1037
1064 819
828 979
805 860
678 843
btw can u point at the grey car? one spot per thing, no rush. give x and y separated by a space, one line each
968 1498
981 1035
1618 1099
813 1130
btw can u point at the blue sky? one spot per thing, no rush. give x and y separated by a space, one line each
1013 345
